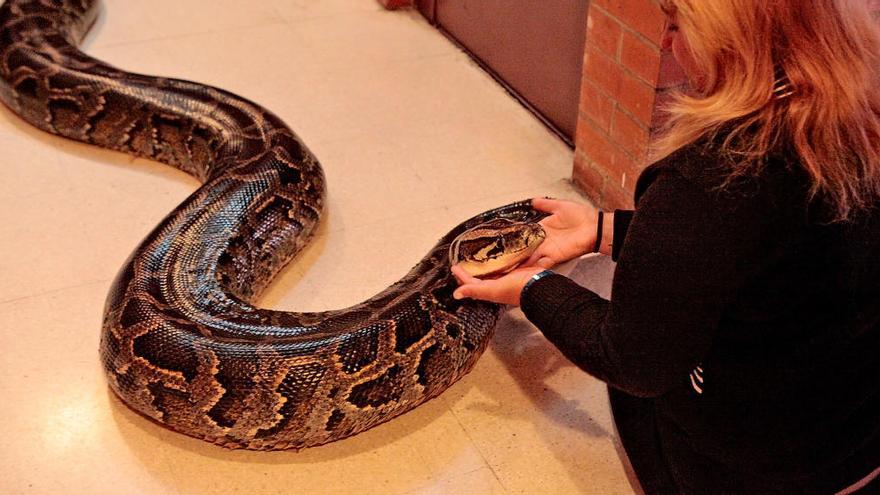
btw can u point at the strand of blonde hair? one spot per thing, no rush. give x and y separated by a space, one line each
827 52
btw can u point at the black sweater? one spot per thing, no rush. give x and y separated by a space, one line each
752 325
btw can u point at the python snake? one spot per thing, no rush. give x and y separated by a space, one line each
182 342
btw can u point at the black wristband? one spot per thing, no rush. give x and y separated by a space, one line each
599 231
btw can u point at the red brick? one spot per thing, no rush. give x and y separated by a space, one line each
632 136
606 157
603 32
587 178
615 197
622 68
626 172
642 16
603 71
616 165
595 145
395 4
641 58
595 106
636 97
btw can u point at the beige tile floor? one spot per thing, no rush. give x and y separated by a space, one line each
413 137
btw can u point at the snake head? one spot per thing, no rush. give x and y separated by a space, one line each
495 247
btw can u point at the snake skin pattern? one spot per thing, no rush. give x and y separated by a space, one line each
182 342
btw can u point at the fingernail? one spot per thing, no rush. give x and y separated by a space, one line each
457 295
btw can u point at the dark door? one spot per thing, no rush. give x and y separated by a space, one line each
534 47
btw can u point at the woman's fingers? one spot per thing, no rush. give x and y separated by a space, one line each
546 262
503 290
539 258
463 276
533 259
467 290
472 287
465 280
546 205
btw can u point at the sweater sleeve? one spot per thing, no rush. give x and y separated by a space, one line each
622 218
686 254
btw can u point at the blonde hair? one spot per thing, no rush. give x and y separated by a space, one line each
752 54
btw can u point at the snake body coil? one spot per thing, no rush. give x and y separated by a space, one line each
181 341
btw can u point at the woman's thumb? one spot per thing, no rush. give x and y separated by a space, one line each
545 262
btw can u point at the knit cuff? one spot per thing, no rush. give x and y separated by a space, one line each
541 302
534 278
622 218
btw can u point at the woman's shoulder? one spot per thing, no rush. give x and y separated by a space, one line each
710 166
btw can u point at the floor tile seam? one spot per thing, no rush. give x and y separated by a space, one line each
383 219
450 478
341 13
444 207
370 135
374 12
504 194
418 174
278 21
97 45
478 164
476 446
30 196
389 63
5 302
66 190
383 64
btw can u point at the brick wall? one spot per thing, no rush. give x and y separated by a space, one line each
625 76
395 4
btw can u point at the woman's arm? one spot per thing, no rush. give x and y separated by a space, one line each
607 242
687 253
572 231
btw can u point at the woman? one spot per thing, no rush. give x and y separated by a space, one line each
741 343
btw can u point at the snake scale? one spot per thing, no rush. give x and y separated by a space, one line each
182 342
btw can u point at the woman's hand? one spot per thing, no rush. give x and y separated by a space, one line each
503 290
570 228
